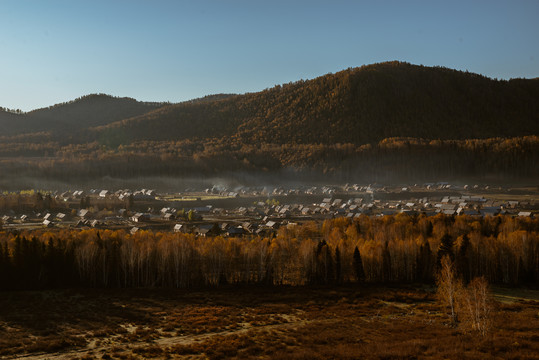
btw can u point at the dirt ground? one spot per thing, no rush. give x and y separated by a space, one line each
345 322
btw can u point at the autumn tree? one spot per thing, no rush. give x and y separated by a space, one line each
449 287
390 251
476 306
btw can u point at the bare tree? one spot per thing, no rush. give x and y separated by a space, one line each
477 310
449 287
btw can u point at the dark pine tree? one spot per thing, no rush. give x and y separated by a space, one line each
338 266
50 262
424 264
4 265
462 259
428 230
445 248
358 266
324 264
386 263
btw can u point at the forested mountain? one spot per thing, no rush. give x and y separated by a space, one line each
383 122
358 106
85 112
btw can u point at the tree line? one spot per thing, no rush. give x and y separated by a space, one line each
404 159
400 248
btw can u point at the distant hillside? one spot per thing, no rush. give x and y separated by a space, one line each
210 98
386 122
8 120
85 112
360 105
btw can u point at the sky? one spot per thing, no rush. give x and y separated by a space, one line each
55 51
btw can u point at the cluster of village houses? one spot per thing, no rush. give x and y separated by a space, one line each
265 217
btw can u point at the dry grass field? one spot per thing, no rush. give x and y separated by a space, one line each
345 322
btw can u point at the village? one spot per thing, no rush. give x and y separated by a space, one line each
259 210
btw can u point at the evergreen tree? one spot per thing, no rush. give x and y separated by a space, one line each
358 266
445 248
50 261
462 259
47 202
428 229
4 259
338 266
424 263
386 263
324 263
34 263
18 262
523 275
39 201
130 202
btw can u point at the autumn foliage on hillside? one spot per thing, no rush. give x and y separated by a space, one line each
382 122
397 248
358 106
395 159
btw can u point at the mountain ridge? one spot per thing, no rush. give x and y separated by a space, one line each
357 105
81 113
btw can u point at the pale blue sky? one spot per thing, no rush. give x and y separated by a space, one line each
55 51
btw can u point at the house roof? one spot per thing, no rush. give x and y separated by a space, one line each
271 223
236 230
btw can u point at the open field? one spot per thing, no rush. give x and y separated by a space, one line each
254 322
